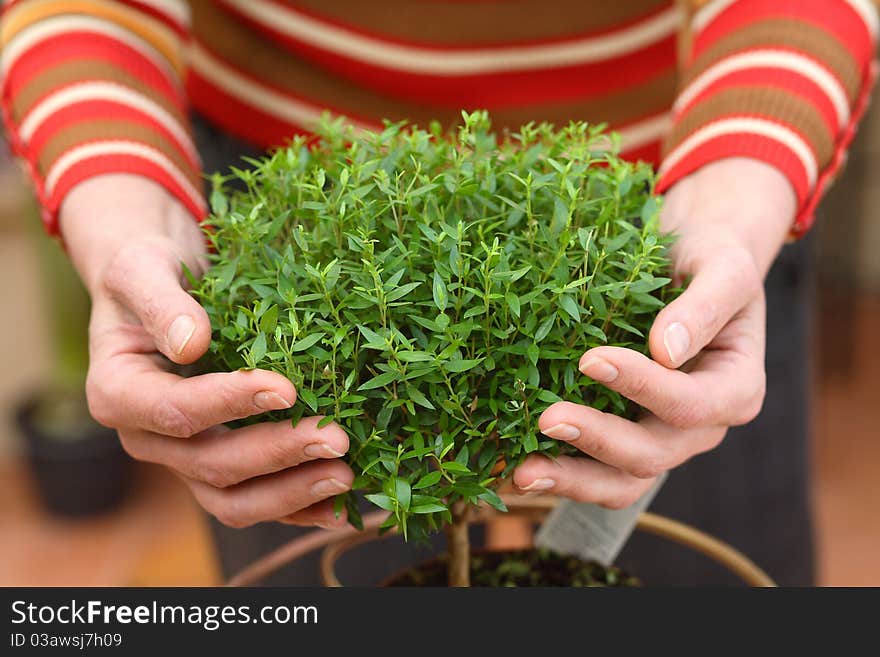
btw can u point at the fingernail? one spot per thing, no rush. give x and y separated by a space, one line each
539 484
270 401
599 369
562 432
180 332
677 342
327 487
321 451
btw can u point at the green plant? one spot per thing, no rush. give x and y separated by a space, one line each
432 293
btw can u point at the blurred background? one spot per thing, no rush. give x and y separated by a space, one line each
74 510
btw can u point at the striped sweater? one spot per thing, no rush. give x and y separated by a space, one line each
98 86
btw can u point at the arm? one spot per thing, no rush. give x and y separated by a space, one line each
771 93
94 103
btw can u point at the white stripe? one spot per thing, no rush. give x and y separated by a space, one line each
868 13
51 27
118 147
304 114
644 132
461 61
268 100
790 61
708 13
176 10
109 91
746 125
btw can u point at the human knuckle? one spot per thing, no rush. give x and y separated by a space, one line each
636 385
99 394
687 413
591 443
617 501
134 448
280 454
650 467
229 513
209 471
171 420
750 406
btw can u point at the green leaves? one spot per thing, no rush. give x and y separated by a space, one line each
433 296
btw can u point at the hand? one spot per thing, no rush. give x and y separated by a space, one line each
127 237
731 218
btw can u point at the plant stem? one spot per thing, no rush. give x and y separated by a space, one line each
458 546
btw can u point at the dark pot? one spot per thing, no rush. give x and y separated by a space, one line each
79 467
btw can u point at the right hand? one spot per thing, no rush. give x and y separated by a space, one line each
127 237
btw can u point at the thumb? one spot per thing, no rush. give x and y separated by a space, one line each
146 280
721 286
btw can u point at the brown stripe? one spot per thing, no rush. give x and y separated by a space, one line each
107 129
769 102
785 33
480 23
85 70
248 51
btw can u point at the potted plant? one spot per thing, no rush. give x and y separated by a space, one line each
78 466
432 293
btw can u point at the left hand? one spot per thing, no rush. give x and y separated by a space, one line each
730 218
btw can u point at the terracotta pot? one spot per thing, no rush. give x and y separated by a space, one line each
337 542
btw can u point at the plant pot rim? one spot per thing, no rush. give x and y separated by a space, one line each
339 541
100 442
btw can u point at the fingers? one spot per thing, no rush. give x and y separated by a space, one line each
643 449
317 515
129 390
723 387
722 285
222 458
146 279
580 479
274 496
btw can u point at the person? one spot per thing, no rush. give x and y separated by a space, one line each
746 107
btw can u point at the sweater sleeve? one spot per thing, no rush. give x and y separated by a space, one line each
784 82
95 86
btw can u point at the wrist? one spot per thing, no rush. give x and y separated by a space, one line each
739 202
103 215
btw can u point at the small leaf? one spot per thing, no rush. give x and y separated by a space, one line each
306 342
460 365
379 381
439 290
258 348
269 319
381 500
428 508
428 480
403 492
570 306
512 303
310 398
544 328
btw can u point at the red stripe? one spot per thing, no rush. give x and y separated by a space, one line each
837 18
493 90
95 111
237 117
741 145
446 47
769 77
649 153
88 45
95 166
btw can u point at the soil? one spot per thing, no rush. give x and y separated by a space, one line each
517 568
